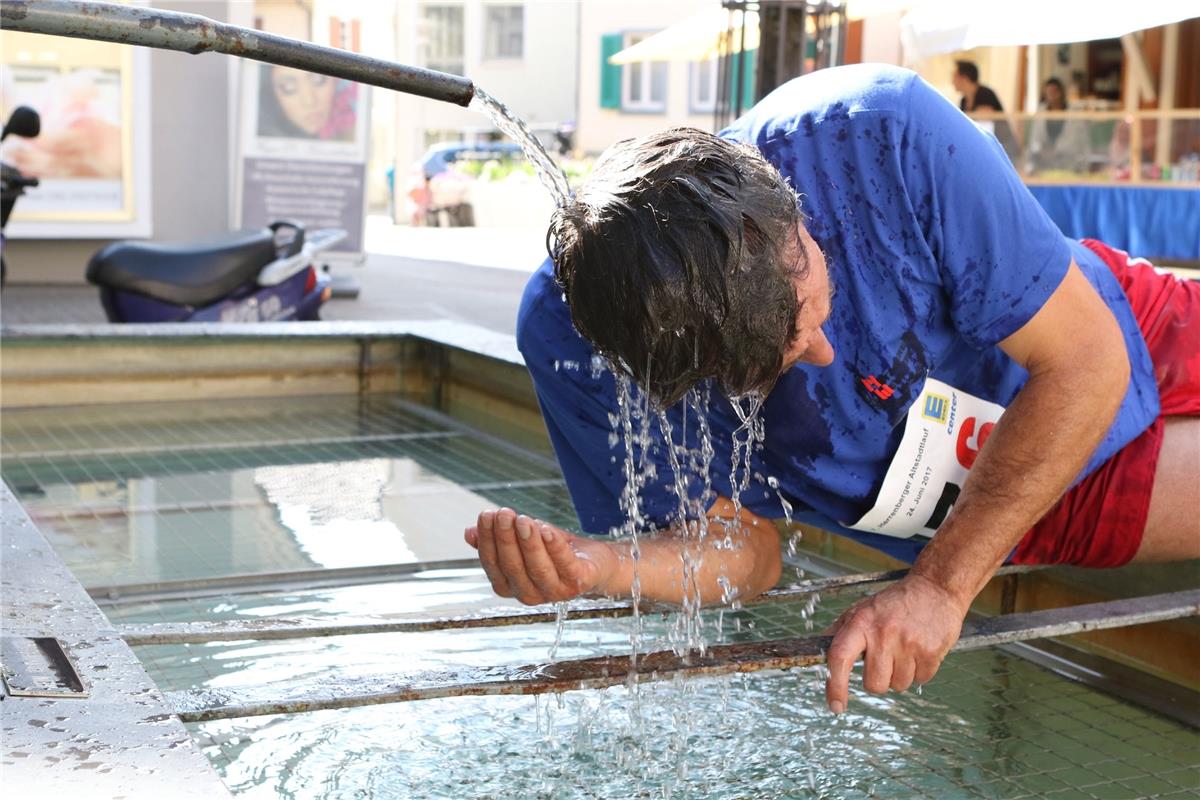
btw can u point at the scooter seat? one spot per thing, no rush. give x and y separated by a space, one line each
183 274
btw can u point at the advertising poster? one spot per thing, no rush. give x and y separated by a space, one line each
91 156
304 152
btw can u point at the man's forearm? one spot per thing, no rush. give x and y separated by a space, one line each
1038 447
670 568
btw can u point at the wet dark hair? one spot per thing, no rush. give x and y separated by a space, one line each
672 258
968 70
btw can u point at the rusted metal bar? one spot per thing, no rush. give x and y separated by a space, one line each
199 705
192 33
238 630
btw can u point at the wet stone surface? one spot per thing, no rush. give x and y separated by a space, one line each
121 739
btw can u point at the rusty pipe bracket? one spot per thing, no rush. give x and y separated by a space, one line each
193 33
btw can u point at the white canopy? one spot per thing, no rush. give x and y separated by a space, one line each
944 26
715 31
709 34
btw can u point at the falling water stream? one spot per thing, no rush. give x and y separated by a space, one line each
631 425
514 127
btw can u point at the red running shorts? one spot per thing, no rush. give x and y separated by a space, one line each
1100 521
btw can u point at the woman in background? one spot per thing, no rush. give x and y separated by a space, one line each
1057 144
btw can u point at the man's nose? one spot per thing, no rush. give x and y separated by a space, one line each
819 352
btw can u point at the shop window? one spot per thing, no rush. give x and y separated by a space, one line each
442 37
504 32
644 83
702 86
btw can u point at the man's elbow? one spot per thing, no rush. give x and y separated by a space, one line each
1110 365
1121 374
1095 367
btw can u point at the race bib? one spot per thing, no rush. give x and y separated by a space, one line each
945 429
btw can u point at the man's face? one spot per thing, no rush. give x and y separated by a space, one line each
815 295
960 83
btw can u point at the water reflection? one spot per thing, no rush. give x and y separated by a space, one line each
263 519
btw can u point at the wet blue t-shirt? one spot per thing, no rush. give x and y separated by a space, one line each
938 253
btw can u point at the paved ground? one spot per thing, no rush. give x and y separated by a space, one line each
473 275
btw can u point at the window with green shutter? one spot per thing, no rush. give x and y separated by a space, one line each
610 74
742 72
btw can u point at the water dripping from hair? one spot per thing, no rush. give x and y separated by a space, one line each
749 433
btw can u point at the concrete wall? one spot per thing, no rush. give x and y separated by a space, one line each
881 39
539 87
191 152
284 17
600 127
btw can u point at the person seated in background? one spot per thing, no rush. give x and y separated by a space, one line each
943 375
977 97
1056 144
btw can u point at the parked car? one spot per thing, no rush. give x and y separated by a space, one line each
437 191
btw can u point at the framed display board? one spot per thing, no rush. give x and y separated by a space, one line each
92 155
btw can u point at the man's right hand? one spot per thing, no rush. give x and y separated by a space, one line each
536 562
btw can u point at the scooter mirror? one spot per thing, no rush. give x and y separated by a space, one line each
24 121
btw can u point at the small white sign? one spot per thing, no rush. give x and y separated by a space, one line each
945 429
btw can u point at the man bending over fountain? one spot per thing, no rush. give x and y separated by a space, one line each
855 250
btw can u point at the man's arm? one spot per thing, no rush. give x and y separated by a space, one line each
539 563
1078 374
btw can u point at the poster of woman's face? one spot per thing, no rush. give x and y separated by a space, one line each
294 104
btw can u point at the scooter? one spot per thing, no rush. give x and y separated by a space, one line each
249 276
24 122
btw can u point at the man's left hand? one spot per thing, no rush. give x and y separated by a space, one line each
905 631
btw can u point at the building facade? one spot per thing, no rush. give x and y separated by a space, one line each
637 99
522 53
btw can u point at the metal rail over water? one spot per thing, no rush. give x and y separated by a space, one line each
236 630
194 34
597 673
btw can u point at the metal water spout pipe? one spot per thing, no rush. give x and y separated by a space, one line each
192 33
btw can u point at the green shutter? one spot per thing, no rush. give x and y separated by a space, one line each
750 79
743 70
610 74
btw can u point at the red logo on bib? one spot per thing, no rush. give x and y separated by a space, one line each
969 444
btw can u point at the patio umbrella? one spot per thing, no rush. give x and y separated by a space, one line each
706 35
944 26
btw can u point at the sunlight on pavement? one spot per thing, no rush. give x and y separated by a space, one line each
520 249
